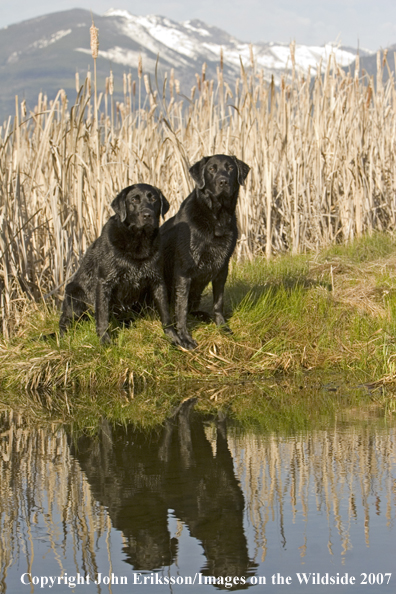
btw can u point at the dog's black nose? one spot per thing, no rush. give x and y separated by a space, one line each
146 215
222 182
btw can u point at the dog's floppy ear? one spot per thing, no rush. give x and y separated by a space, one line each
118 204
243 170
197 172
164 203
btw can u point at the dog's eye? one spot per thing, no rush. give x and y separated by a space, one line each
135 199
151 197
229 167
212 169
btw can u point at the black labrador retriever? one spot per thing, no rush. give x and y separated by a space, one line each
199 240
123 264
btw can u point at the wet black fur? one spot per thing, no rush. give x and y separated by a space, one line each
123 264
199 240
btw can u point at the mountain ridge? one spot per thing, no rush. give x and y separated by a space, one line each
44 54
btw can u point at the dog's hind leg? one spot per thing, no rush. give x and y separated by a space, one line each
102 307
74 305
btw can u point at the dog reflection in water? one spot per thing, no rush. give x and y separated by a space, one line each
139 476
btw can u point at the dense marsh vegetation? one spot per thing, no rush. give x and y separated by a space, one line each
323 172
322 155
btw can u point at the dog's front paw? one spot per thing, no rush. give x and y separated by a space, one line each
188 343
220 321
185 341
105 339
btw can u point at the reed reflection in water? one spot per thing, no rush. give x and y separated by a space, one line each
255 503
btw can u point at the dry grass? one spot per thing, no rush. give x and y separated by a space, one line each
322 155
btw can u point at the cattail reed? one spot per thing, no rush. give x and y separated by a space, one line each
129 78
111 92
322 158
95 52
140 73
172 81
94 40
146 83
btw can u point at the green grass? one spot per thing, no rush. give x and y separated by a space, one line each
332 311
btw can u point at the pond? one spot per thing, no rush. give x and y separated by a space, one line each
197 504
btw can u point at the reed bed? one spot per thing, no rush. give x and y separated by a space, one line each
322 154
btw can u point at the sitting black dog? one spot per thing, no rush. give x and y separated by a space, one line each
199 240
123 264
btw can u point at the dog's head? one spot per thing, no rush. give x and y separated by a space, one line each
140 206
220 176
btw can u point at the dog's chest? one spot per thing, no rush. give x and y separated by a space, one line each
211 254
133 279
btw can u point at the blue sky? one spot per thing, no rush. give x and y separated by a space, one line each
313 22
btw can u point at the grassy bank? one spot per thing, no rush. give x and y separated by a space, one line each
335 311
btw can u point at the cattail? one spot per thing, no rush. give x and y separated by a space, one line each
94 40
63 97
146 83
251 54
221 59
203 71
107 86
172 81
77 82
357 65
111 83
124 78
129 83
198 81
23 108
140 66
369 95
293 53
384 58
89 82
193 92
177 86
134 88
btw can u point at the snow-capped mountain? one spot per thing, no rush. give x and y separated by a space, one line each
197 41
44 54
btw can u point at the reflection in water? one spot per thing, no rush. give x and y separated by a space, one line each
138 477
72 506
333 471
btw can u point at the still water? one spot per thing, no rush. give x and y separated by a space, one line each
198 504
